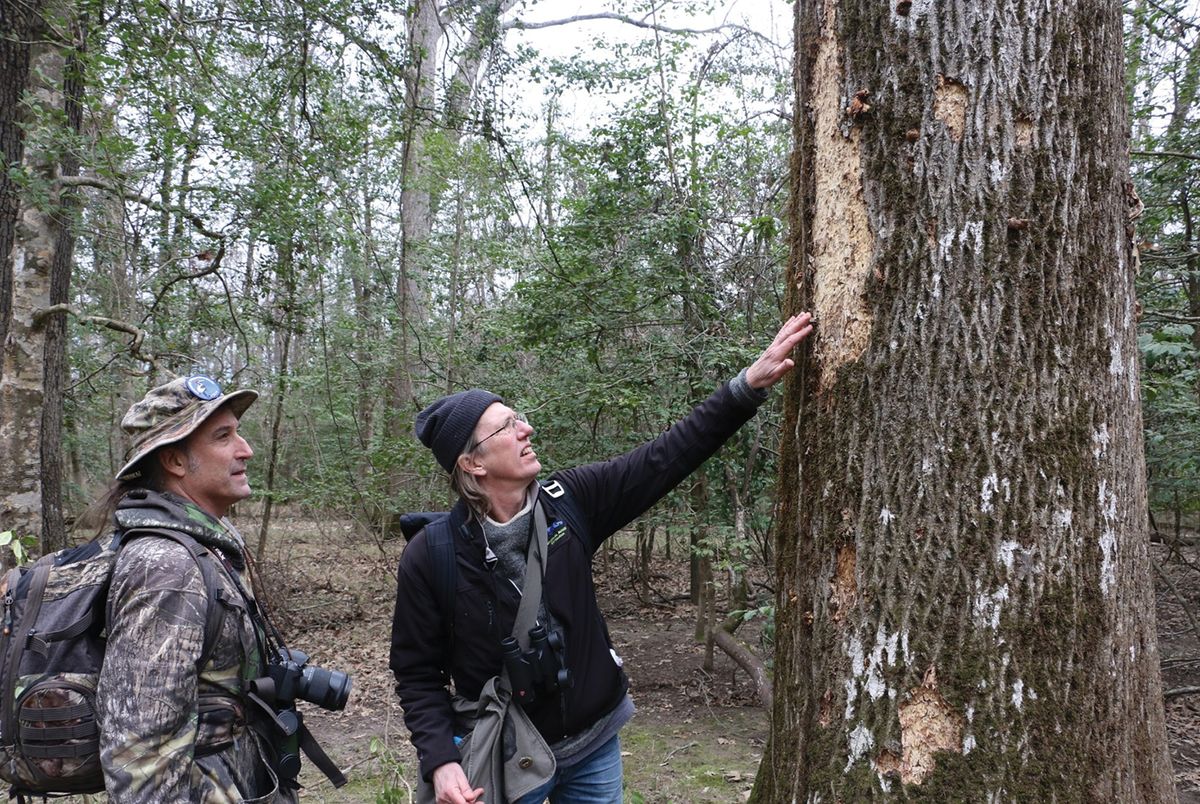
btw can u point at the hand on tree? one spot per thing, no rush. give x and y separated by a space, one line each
450 786
773 363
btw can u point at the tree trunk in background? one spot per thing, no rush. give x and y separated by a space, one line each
15 24
286 273
416 222
965 609
417 202
34 364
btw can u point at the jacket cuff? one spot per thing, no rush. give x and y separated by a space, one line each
431 762
744 394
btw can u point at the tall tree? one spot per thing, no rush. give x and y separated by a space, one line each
965 610
38 266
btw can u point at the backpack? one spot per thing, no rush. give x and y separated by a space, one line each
439 542
52 643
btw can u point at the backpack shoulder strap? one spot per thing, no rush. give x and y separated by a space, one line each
439 542
564 504
204 560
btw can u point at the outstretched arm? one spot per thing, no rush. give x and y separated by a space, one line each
775 362
612 493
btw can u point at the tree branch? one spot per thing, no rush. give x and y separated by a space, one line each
129 195
135 344
1166 154
748 661
524 25
138 334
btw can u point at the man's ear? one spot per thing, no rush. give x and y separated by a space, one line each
173 461
471 466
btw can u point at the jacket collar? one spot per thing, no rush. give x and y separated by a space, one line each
143 508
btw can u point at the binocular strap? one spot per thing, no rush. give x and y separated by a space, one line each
531 588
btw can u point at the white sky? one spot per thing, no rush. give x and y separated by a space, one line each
771 18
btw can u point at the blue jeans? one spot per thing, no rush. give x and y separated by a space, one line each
597 779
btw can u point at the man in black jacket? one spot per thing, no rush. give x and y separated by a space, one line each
486 448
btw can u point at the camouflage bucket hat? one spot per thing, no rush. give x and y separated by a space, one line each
171 412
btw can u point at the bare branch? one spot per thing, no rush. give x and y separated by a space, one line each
1166 154
1178 691
213 266
138 334
1173 16
135 343
146 201
524 25
1182 600
748 661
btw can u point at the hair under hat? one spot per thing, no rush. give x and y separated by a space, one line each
446 425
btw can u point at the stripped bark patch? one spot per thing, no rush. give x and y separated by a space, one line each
888 765
825 714
950 106
843 241
843 588
927 725
1024 133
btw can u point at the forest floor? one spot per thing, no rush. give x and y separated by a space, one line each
697 736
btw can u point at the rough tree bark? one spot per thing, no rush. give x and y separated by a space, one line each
965 608
15 24
37 277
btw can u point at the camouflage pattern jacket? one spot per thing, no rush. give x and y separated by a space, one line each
168 734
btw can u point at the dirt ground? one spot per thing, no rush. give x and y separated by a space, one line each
697 736
1177 584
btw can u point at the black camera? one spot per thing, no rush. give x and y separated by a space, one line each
293 677
541 668
290 677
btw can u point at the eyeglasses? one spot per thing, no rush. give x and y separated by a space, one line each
511 424
203 388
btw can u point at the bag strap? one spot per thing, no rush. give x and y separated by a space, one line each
531 587
439 541
204 560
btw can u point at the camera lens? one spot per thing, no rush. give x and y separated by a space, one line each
328 689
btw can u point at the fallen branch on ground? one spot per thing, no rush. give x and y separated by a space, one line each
748 661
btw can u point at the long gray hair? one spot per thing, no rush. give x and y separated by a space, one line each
466 485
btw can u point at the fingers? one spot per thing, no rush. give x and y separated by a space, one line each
775 362
452 787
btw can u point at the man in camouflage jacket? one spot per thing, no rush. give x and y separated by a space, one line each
168 732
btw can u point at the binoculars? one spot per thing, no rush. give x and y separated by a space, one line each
539 669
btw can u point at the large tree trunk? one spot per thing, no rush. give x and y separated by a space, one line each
15 23
965 609
42 245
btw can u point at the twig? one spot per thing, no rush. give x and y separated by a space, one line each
684 747
525 25
1166 154
1180 691
1183 604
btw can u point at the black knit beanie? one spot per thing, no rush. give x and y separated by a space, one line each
447 424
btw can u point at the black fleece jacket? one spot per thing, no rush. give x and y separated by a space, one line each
607 496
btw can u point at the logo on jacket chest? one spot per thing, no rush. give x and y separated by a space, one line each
555 532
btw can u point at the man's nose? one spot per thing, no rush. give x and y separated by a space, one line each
245 451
